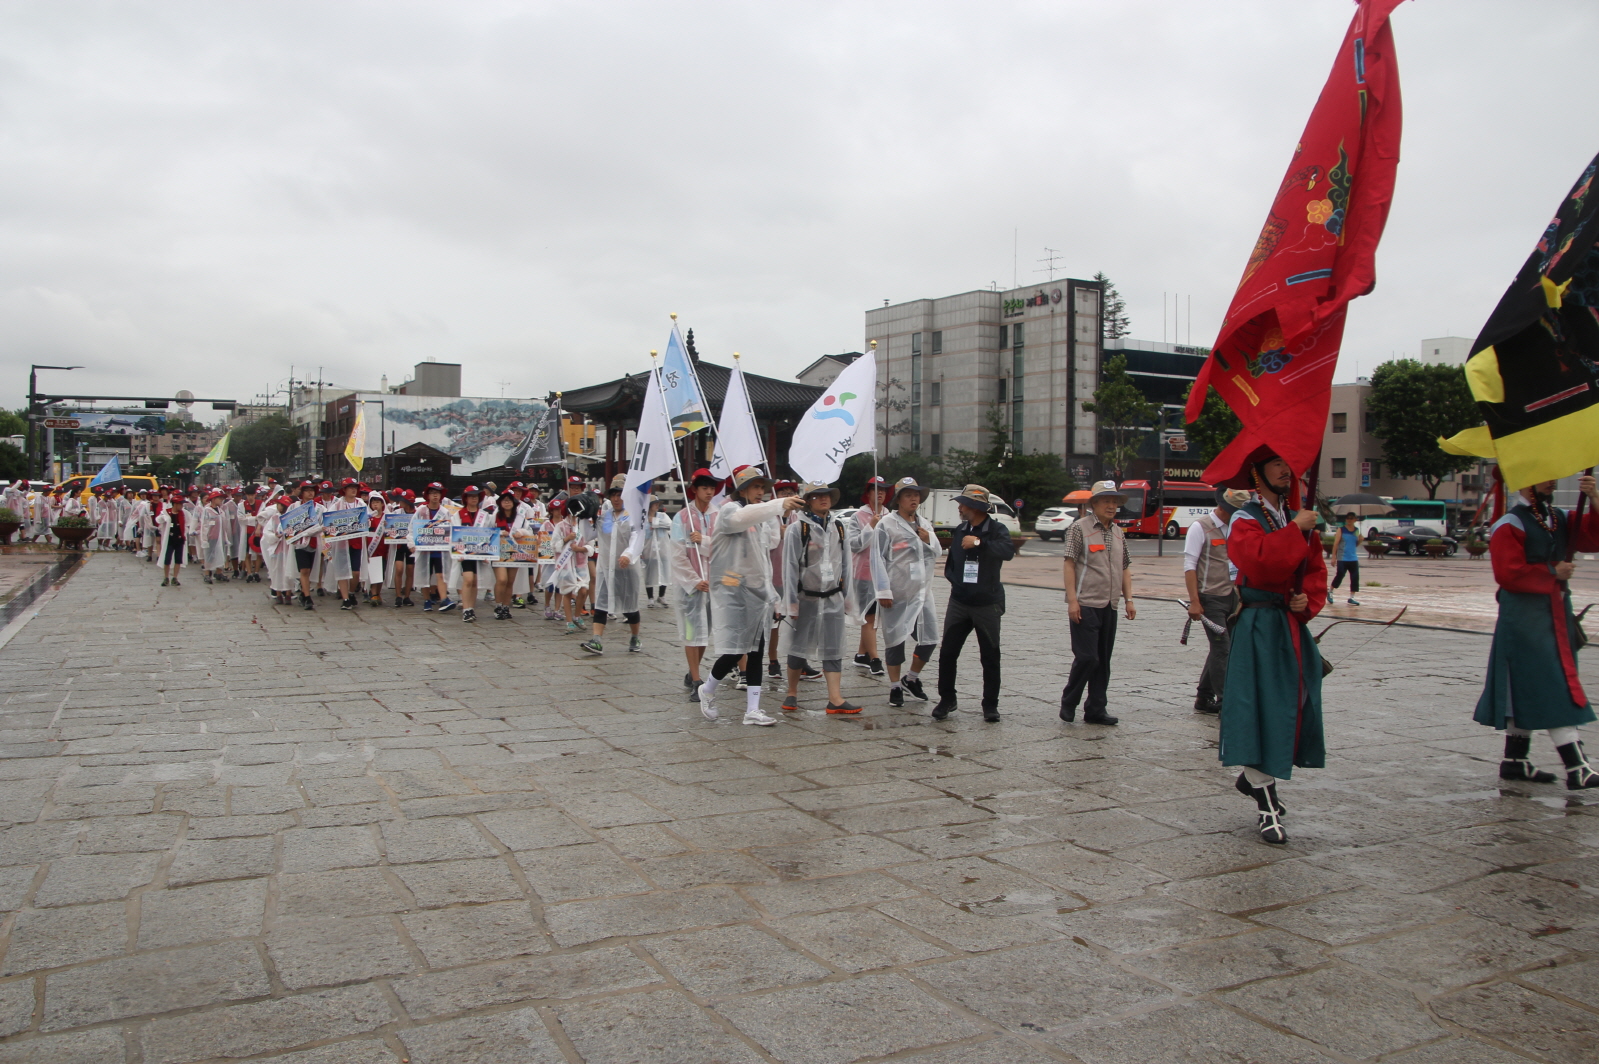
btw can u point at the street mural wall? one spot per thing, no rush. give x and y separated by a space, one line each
479 432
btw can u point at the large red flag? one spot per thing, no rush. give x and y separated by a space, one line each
1273 361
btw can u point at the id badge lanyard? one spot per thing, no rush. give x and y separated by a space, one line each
970 569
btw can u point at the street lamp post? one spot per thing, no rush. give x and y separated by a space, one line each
33 411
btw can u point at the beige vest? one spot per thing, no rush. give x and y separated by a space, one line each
1211 571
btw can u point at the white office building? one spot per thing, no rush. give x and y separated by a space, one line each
1030 355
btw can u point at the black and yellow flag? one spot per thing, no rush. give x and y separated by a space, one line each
1534 369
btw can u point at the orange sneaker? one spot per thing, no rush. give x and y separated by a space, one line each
847 707
791 703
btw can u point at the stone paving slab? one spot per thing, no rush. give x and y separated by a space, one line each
230 831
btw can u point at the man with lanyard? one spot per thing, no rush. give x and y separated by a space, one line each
1209 577
1097 572
978 547
617 594
816 574
1271 715
741 587
903 552
1532 682
692 528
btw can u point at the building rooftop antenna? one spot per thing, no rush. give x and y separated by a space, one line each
503 385
1050 255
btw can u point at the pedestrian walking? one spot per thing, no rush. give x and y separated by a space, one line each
1271 712
617 550
978 548
817 554
1212 595
1346 542
874 503
1532 682
1098 575
904 552
741 587
693 528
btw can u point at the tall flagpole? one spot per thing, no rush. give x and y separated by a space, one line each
677 455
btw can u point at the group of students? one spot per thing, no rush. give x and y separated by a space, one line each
119 516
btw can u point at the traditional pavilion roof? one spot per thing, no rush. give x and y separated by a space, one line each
623 398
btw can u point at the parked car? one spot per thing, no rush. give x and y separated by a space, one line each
1413 540
1053 523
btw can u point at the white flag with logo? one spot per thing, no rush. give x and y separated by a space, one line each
738 440
652 452
841 423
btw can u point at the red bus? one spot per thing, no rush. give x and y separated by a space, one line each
1184 500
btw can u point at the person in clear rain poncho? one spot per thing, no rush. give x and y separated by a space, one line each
740 580
818 559
904 556
616 570
689 567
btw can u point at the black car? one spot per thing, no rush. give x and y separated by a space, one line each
1413 540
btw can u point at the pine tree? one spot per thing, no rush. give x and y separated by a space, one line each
1113 317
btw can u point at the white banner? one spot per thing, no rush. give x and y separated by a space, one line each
653 451
738 439
841 423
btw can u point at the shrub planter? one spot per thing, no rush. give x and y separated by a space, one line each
1376 550
1476 550
7 530
72 537
1436 550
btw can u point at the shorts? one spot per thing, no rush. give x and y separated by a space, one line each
174 554
304 559
402 553
469 567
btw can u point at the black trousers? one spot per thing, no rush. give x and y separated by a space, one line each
602 617
1093 640
1213 680
960 621
174 554
752 664
1353 569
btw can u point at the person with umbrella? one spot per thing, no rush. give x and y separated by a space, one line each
1346 540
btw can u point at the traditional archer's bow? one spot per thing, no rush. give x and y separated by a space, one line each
1361 620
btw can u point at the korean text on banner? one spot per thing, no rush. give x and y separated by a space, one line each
340 525
685 403
468 543
840 423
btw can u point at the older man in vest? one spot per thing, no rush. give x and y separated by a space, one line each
1211 594
1097 576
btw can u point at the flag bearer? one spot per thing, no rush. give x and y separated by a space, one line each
1271 715
1532 682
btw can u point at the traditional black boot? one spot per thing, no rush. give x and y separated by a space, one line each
1269 819
1515 766
1271 791
1579 774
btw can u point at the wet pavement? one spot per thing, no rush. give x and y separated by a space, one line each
242 831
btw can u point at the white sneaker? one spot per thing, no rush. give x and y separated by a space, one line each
758 716
707 705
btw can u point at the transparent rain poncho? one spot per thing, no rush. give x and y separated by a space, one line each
818 559
687 564
903 569
741 575
616 590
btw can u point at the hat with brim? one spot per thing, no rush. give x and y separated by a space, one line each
1107 489
1232 499
618 482
810 489
975 496
905 484
745 476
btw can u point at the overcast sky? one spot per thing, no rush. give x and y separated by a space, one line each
203 194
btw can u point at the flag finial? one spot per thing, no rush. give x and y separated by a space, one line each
874 345
735 356
674 315
652 352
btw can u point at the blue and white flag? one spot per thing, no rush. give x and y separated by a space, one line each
841 423
654 451
680 387
109 473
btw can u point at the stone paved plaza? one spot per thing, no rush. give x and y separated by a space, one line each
239 831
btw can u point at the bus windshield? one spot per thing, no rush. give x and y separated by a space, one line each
1134 506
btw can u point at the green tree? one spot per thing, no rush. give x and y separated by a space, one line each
14 422
1113 311
1214 428
268 441
13 463
1122 411
1412 405
1039 480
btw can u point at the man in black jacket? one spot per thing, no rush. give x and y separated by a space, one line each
977 549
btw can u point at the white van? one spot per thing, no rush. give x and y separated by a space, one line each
941 509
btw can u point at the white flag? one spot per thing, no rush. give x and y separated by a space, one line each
738 440
841 423
652 452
